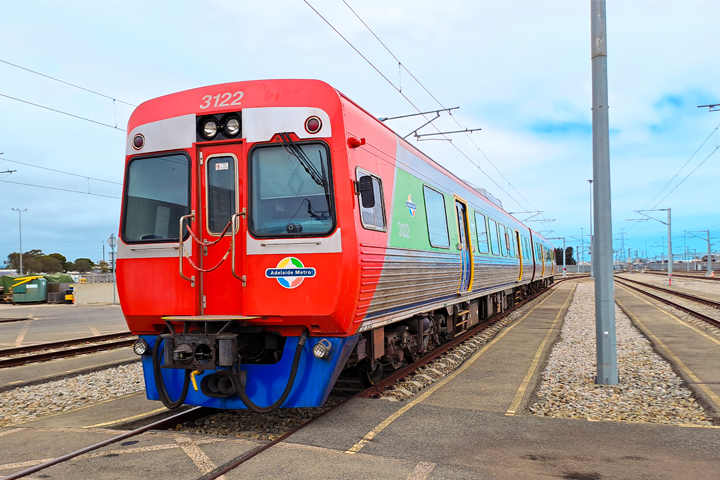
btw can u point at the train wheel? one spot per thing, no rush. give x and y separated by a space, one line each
368 377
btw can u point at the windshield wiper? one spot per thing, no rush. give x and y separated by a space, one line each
292 148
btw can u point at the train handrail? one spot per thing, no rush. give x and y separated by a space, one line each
233 234
181 246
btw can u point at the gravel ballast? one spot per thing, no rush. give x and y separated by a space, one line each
29 403
649 391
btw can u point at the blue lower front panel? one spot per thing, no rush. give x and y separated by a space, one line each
265 383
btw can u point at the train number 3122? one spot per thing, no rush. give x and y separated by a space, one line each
225 99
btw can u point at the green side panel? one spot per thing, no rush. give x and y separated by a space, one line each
410 230
7 281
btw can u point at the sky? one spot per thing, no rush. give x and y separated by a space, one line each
519 70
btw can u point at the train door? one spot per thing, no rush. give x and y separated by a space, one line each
519 253
221 228
465 245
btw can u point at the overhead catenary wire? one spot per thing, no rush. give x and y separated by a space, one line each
58 171
60 189
401 65
408 99
64 113
67 83
713 132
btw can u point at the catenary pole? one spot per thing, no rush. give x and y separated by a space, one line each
709 258
592 270
607 373
670 257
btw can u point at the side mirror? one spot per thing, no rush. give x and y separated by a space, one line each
366 191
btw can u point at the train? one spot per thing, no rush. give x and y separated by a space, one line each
274 234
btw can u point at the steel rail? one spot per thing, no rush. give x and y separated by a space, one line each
695 314
686 296
159 424
7 320
114 340
684 275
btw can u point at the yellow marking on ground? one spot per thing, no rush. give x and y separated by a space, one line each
21 335
677 319
533 366
94 330
8 432
713 396
124 451
127 419
385 423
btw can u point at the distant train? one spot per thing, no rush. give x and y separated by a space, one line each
274 233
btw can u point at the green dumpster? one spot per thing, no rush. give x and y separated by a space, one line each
29 289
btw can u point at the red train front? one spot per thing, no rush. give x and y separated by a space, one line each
242 174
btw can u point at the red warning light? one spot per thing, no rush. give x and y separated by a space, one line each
313 125
138 142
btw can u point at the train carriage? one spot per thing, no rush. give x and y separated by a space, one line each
273 233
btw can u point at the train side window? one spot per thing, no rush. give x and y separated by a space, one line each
528 250
436 218
157 194
503 241
373 218
494 241
481 228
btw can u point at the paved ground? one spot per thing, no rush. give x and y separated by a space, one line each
694 354
470 425
53 323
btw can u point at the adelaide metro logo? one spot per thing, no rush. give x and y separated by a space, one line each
290 272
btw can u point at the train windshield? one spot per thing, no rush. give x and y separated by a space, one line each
291 190
157 195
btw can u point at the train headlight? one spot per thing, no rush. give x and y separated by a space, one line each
232 126
141 347
210 128
322 349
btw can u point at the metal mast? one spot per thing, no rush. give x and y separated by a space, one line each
607 373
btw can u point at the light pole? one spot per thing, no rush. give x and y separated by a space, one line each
582 247
592 269
19 210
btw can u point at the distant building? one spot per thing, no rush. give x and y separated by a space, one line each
8 271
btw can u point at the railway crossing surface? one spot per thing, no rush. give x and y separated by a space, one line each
473 423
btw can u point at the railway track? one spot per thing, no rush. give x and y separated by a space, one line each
631 284
345 391
12 357
699 276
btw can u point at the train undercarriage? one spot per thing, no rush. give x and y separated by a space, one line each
391 346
